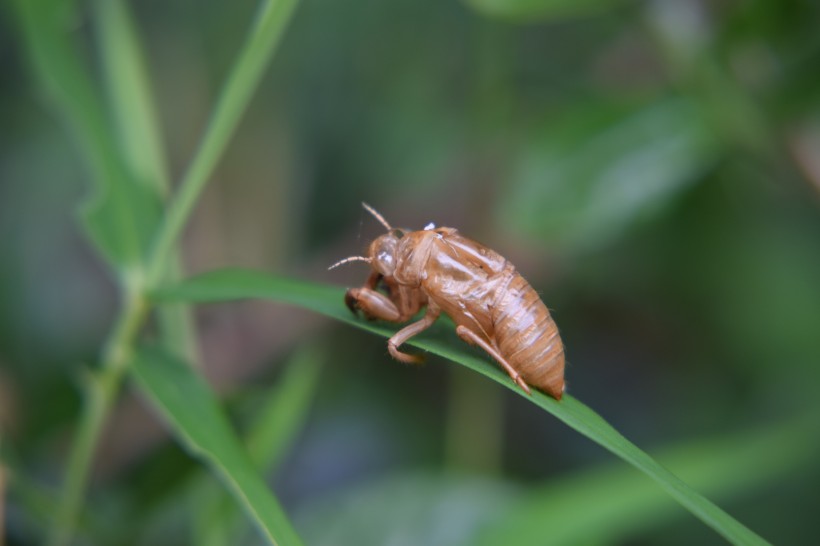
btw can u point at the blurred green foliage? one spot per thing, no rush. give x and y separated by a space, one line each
651 167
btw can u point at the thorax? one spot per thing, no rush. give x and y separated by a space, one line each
460 275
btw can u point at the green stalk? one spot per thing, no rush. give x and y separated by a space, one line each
101 391
259 47
139 139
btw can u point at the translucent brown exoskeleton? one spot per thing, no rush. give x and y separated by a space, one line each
489 301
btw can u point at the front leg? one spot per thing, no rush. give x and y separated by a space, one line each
373 304
398 305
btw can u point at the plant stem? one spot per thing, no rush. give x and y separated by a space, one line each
103 388
243 80
101 391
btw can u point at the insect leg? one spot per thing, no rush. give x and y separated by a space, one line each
407 332
373 304
373 280
474 339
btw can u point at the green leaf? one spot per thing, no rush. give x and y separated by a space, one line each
606 504
611 503
129 92
272 432
139 139
120 215
185 401
600 168
540 10
226 285
417 508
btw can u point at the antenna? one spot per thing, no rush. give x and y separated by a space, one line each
348 260
377 216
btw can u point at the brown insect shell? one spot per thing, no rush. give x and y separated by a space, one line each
466 280
458 274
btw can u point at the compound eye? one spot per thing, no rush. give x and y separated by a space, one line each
387 259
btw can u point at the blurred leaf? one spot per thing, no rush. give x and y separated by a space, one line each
408 510
541 10
37 505
187 404
139 138
758 256
272 433
120 218
129 91
612 504
120 215
592 174
609 504
235 284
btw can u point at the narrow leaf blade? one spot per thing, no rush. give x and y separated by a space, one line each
120 215
129 90
587 176
268 438
223 285
540 10
187 404
611 503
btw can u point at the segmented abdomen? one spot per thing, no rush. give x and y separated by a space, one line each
527 337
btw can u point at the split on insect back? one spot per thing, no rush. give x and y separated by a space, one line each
491 304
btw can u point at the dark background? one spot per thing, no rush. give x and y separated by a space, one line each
652 168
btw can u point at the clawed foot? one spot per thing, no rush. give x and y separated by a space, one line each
520 383
403 357
352 301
